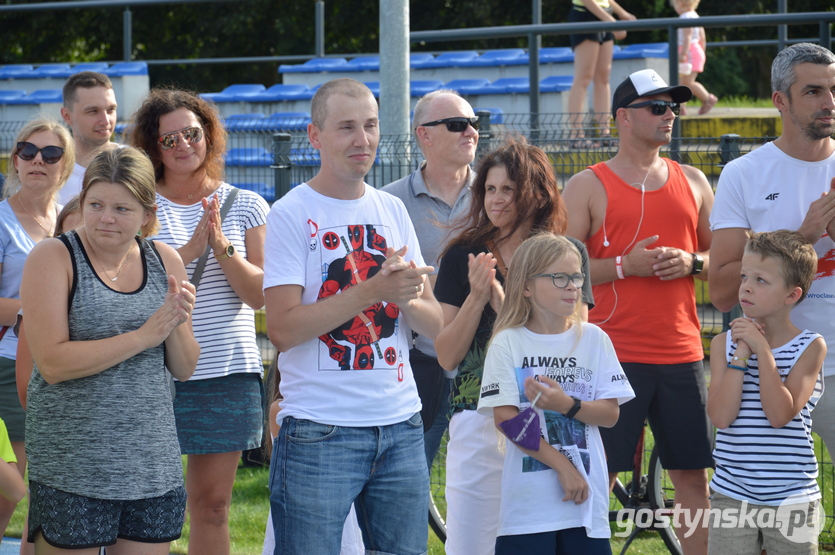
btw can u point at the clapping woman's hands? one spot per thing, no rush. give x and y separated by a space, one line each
175 310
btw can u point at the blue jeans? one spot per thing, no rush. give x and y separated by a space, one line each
432 436
318 471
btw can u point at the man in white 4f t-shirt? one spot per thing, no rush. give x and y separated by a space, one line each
345 284
788 184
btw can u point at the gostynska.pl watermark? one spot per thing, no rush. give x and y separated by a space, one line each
798 522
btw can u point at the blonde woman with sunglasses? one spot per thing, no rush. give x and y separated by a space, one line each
219 411
41 163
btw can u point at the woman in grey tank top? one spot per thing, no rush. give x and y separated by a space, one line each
114 322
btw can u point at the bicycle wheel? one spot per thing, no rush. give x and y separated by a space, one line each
437 491
661 495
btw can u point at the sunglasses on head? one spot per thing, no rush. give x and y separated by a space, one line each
189 134
658 107
49 154
454 125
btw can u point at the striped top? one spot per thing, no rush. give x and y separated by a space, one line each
761 464
223 325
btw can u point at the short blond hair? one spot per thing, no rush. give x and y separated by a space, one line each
798 259
132 169
344 86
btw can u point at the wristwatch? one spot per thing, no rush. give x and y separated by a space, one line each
575 409
228 252
698 264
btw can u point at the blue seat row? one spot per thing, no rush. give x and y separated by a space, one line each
470 58
44 96
62 71
257 122
418 88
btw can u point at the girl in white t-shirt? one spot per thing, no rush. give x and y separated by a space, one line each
555 495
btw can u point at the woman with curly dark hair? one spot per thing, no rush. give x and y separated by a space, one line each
514 196
219 412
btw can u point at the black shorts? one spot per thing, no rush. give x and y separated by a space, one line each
673 397
70 521
576 16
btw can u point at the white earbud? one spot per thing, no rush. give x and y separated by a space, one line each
605 241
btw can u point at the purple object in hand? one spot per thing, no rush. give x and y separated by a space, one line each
523 429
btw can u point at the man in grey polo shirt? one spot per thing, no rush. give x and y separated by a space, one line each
435 195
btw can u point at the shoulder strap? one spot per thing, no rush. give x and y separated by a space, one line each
201 262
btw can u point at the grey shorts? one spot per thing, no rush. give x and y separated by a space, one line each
70 521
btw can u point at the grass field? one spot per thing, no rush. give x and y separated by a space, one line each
250 505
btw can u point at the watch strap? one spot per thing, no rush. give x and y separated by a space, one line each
575 409
698 264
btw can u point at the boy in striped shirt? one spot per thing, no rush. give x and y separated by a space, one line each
762 392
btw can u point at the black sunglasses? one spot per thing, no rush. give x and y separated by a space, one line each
49 154
658 107
454 125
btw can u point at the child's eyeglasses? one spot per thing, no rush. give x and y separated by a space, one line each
189 134
561 280
658 107
49 154
454 125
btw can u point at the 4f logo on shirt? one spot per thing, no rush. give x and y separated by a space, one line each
772 196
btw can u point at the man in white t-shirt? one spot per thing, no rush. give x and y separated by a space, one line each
90 111
345 284
787 184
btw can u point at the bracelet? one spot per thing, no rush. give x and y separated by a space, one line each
575 409
740 368
743 360
619 267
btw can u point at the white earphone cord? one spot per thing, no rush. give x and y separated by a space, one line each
637 231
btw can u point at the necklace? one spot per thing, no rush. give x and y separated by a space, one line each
119 271
48 232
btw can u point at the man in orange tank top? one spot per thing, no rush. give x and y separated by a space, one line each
644 220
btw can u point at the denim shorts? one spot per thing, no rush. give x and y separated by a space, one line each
319 470
70 521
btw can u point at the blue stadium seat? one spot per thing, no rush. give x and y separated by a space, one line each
122 69
43 96
261 188
363 63
305 157
315 65
122 128
375 88
279 92
61 71
451 59
242 122
647 50
555 55
556 83
308 94
89 66
469 86
19 71
496 114
493 58
510 85
5 96
284 121
234 93
249 157
421 87
418 60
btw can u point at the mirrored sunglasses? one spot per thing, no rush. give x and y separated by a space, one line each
561 280
189 134
49 154
658 107
454 125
